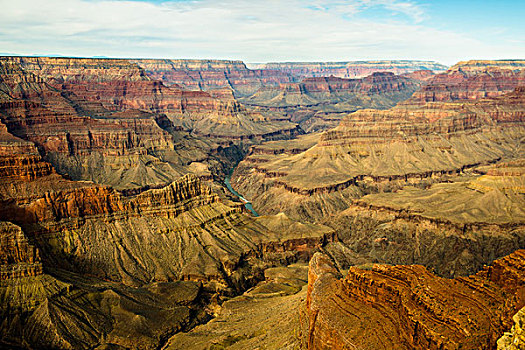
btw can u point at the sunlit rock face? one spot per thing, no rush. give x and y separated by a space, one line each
473 80
212 75
515 339
408 307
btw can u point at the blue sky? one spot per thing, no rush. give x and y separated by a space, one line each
266 30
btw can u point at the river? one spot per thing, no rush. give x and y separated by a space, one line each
247 203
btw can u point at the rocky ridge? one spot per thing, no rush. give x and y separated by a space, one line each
394 183
473 80
210 75
414 308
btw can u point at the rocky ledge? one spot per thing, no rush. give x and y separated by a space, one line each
407 307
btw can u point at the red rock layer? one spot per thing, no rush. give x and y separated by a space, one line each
440 118
377 82
212 74
99 119
420 75
407 307
67 105
113 84
36 111
473 80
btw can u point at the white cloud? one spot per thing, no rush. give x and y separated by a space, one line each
257 30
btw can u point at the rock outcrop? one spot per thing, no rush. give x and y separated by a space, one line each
407 307
515 339
271 316
18 258
472 80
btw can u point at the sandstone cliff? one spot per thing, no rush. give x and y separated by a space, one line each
473 80
407 307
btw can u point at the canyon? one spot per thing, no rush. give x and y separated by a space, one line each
390 197
319 103
402 185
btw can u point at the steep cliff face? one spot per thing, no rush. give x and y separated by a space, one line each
137 270
74 312
353 69
121 232
212 74
473 80
407 307
18 258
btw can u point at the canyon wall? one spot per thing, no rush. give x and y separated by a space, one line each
82 265
107 121
209 75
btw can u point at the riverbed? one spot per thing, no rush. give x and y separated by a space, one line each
246 202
